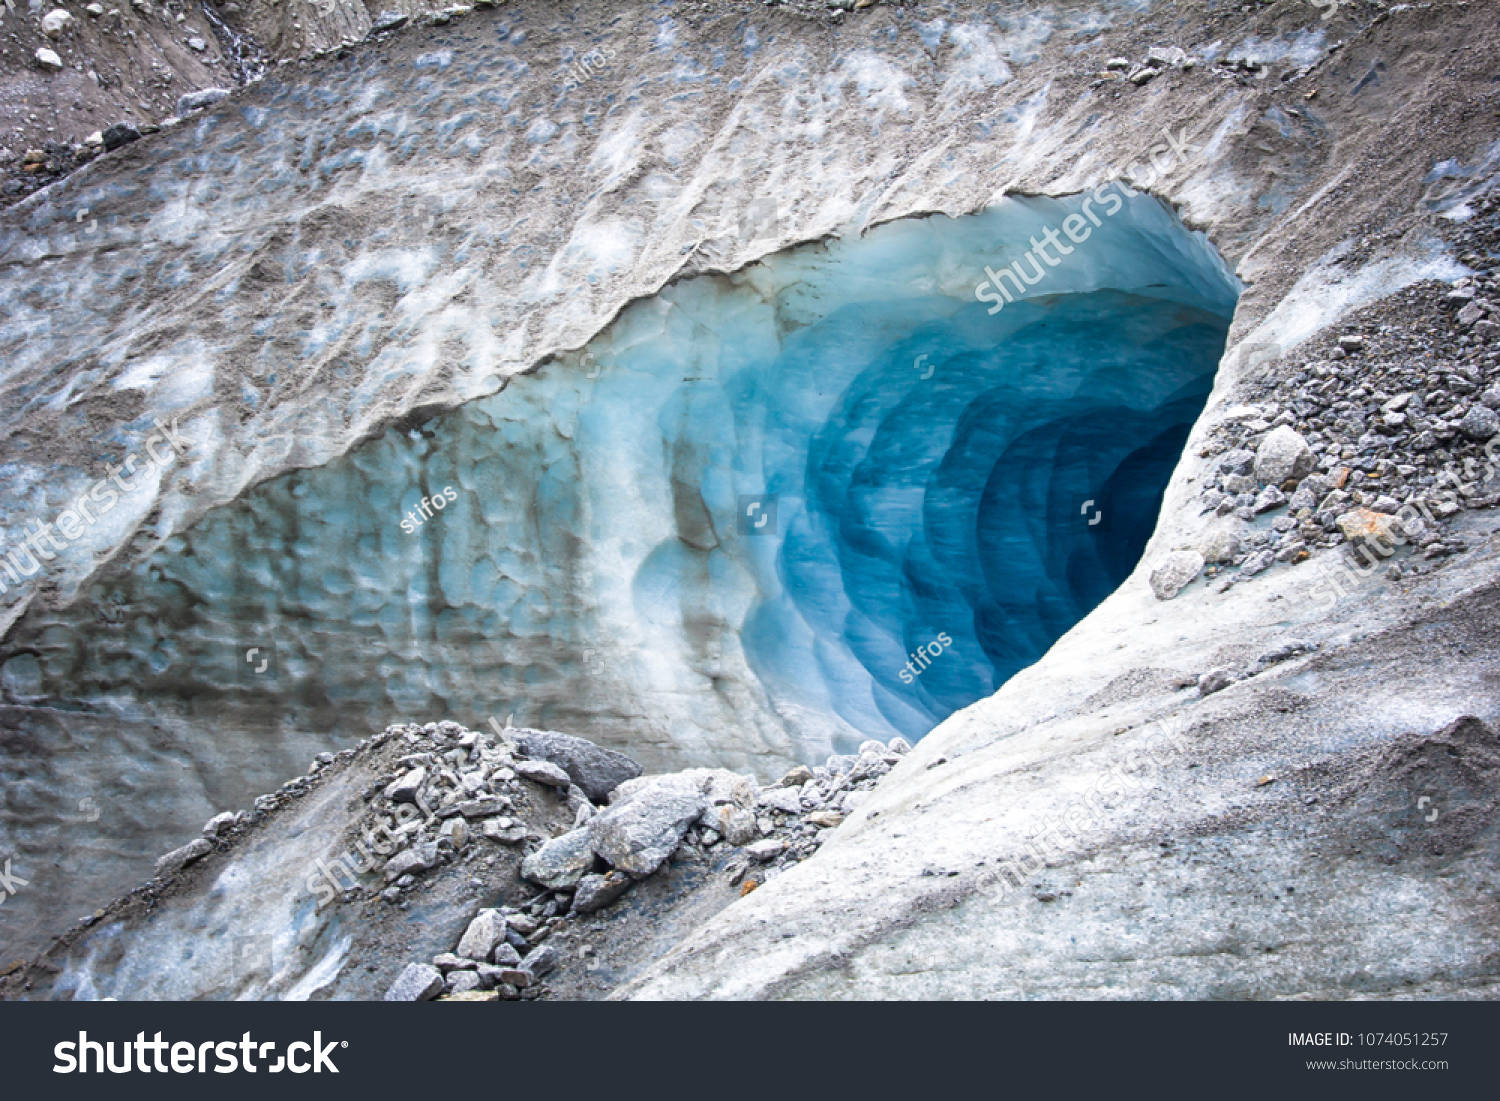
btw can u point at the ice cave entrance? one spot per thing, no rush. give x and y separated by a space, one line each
762 516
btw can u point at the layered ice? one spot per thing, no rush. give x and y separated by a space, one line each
760 517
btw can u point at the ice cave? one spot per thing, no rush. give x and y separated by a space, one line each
760 517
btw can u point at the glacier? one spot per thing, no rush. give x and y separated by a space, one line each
760 517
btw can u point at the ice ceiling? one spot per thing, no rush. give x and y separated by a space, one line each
761 517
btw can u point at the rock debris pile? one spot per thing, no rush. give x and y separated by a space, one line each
460 788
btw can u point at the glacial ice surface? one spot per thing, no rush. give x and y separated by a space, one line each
919 470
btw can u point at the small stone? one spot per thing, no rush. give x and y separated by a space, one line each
197 44
197 101
219 823
1160 56
768 849
455 831
418 858
786 800
388 21
1365 526
561 862
506 955
485 931
55 23
1117 64
1269 498
518 977
540 960
796 778
1352 342
96 11
1480 422
48 60
420 982
1238 461
405 788
597 891
1174 572
825 819
1141 76
178 859
1257 563
737 825
544 772
1283 454
507 831
1470 314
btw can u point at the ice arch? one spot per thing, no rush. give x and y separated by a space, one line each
722 531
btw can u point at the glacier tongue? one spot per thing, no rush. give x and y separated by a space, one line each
760 517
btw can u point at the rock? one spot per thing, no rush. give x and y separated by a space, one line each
1117 64
518 977
455 831
484 932
541 960
1366 526
825 819
1480 422
48 60
544 772
95 11
797 777
597 891
219 823
486 806
899 746
447 961
1257 563
420 982
121 133
1238 461
1161 56
405 788
786 800
598 771
1215 680
506 955
1221 546
1174 572
640 833
1352 342
196 101
768 849
196 44
561 862
56 23
388 21
461 982
1283 454
1471 313
418 858
178 859
507 831
736 824
1141 76
1268 498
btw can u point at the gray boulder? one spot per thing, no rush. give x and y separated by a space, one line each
1480 422
561 862
638 834
1283 454
540 960
121 133
196 101
420 982
1174 572
418 858
544 772
404 788
484 932
597 891
178 859
598 771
